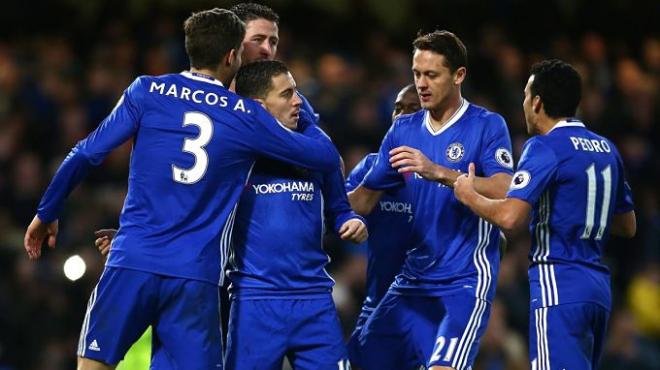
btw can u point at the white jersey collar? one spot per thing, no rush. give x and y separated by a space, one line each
567 123
201 77
453 119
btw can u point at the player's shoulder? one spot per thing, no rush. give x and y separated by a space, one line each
540 146
360 169
367 161
484 116
407 121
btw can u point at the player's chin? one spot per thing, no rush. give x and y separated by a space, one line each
427 104
291 123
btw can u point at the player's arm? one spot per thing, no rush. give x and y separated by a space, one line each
380 176
624 224
407 159
347 224
510 214
115 129
311 149
495 162
363 200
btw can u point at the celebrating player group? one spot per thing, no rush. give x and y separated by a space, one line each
231 185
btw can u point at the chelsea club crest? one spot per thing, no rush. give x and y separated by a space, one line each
455 152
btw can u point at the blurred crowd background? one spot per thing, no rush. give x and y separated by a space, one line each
63 65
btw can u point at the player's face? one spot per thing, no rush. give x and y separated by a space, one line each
530 116
261 39
282 101
406 102
434 81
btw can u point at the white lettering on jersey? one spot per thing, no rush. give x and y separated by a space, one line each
185 93
172 91
590 145
159 87
287 187
239 105
396 207
197 96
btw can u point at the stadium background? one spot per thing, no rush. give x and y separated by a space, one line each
63 64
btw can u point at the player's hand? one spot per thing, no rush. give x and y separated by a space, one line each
354 231
464 185
407 159
104 240
35 235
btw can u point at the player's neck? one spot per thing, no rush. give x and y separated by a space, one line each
546 124
444 113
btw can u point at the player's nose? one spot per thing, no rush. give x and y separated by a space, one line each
266 50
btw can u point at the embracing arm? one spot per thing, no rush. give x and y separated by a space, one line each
117 128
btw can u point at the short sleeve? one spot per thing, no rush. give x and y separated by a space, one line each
537 168
496 156
382 175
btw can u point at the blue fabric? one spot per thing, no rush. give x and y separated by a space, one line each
277 247
425 331
555 176
389 234
183 313
567 336
194 143
306 331
449 249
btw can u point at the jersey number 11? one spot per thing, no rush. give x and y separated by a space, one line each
591 201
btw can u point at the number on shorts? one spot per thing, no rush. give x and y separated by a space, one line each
439 346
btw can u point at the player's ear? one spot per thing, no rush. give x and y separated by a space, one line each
230 58
537 104
459 75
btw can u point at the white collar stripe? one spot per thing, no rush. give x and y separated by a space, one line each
567 123
191 76
453 119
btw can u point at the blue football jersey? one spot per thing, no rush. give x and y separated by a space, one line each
574 181
389 234
277 246
451 249
194 145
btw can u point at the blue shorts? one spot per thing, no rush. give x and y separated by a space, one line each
263 331
354 348
567 336
425 331
183 313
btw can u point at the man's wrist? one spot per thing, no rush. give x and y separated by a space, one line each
442 175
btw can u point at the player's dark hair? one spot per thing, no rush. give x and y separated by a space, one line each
559 85
255 80
444 43
210 35
251 11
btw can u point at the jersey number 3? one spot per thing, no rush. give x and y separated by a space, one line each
591 201
196 148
